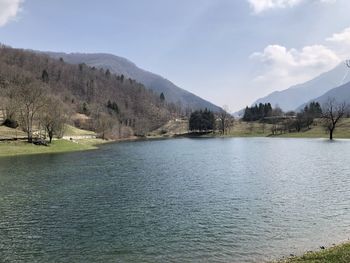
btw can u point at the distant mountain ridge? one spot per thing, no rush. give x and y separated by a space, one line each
293 97
158 84
340 94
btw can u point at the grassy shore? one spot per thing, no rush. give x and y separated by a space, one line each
14 148
173 128
255 129
337 254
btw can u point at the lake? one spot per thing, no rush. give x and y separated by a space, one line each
180 200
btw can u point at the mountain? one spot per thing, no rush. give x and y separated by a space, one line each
125 106
293 97
122 66
340 94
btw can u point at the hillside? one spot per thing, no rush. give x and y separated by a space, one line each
293 97
122 66
126 106
340 94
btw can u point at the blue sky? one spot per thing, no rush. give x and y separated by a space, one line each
230 52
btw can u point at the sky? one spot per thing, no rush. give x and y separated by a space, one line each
230 52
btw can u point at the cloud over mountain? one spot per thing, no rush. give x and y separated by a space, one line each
282 67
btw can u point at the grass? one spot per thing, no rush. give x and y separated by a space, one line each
337 254
249 129
6 133
256 129
73 131
15 148
342 131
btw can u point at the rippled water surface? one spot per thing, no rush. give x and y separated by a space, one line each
183 200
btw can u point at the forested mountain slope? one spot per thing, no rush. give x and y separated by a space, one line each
87 90
122 66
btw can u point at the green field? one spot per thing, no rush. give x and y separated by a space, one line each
337 254
20 147
73 131
257 129
14 148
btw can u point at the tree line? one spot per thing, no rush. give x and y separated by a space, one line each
208 121
328 115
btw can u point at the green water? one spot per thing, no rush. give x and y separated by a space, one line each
183 200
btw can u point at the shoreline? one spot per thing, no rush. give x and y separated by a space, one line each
13 148
337 253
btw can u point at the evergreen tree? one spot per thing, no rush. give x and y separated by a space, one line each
45 76
257 112
202 121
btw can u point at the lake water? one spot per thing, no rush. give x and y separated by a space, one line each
181 200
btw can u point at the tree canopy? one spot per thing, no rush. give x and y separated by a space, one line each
257 112
202 121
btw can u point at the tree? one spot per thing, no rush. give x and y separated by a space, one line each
103 122
333 112
53 117
45 76
113 106
9 106
31 99
202 121
257 112
162 97
108 73
225 119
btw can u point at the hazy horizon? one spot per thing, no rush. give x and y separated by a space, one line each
228 53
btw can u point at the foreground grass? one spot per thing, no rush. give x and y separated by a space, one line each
15 148
337 254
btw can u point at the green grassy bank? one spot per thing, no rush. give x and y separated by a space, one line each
13 148
337 254
255 129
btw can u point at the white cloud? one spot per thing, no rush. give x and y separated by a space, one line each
9 10
340 42
282 68
263 5
342 37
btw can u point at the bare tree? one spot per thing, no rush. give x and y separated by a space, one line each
347 62
102 121
53 117
31 99
104 125
225 119
8 104
333 112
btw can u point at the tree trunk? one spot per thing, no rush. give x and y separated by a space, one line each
30 136
50 136
331 134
